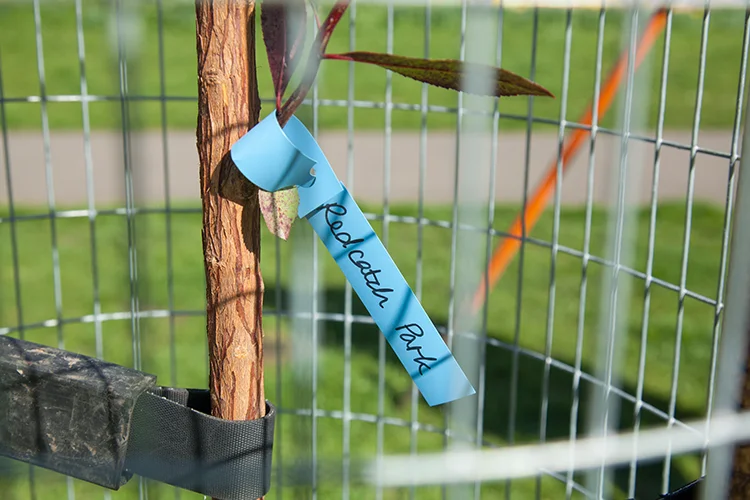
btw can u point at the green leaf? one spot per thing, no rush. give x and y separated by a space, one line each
279 210
447 73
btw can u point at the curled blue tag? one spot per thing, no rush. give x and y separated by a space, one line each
274 159
278 159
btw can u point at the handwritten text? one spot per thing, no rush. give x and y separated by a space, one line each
413 332
356 256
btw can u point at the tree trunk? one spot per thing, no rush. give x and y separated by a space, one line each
228 105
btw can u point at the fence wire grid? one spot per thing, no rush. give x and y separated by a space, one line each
609 318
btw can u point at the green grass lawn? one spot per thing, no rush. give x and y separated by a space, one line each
190 368
61 65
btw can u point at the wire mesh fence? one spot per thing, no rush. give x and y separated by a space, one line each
608 319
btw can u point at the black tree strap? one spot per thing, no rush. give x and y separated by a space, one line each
177 441
102 423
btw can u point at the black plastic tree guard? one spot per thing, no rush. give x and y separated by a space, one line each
102 423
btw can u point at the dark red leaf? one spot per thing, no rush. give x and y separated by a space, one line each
284 25
447 73
313 61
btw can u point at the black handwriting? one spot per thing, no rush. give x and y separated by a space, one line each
341 236
370 275
357 257
415 331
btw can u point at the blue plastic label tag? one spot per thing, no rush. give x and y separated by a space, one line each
274 159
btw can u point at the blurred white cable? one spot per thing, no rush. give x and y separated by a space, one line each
530 460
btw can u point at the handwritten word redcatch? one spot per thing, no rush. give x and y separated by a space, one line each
357 257
275 159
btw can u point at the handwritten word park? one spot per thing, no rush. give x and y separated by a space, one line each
412 333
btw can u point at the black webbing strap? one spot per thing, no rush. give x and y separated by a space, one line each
102 422
177 441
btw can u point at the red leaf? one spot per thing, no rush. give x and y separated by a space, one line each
279 209
284 24
313 62
447 73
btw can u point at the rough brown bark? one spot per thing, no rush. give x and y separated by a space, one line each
740 482
228 104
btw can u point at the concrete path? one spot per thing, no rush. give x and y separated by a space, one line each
29 186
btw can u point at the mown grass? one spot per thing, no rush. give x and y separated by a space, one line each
188 367
20 76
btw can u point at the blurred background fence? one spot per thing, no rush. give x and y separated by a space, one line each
614 302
